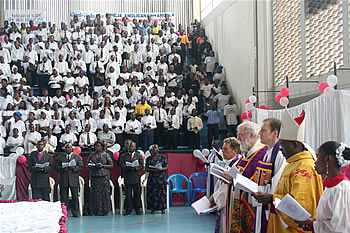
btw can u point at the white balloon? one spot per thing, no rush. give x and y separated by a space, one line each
249 106
13 155
141 153
329 92
205 152
197 153
19 151
332 80
284 101
252 99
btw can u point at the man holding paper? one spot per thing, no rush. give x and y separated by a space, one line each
220 197
299 178
69 165
40 165
269 170
132 178
243 212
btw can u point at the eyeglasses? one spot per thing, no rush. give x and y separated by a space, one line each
241 135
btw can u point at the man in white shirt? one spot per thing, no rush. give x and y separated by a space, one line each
6 54
17 54
68 137
89 121
160 116
87 139
148 124
81 82
14 141
60 51
133 129
136 55
78 65
172 124
61 65
30 140
231 112
118 126
5 67
172 55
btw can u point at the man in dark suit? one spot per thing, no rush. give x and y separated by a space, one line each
69 177
132 179
40 177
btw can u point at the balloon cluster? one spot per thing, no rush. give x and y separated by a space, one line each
327 88
282 97
199 154
21 158
249 106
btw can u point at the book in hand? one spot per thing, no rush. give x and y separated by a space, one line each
218 171
133 164
42 165
245 184
292 208
158 165
71 163
94 164
202 206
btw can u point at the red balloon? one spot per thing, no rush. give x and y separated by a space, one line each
278 98
263 107
77 150
250 114
244 115
284 91
247 101
22 159
116 155
322 86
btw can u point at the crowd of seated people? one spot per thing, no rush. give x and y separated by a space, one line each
110 80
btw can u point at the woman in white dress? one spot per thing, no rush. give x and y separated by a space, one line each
333 210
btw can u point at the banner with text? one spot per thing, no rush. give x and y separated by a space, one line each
24 16
119 16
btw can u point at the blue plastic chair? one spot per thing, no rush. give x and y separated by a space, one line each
177 180
198 183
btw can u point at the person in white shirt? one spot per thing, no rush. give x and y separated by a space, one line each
87 139
69 82
5 53
88 120
172 55
160 116
102 120
68 137
30 139
2 145
133 128
118 126
88 56
44 71
78 65
61 65
231 111
16 122
51 140
136 55
106 136
162 66
44 123
55 82
5 67
15 77
81 82
210 62
74 123
14 141
17 54
57 125
172 124
97 63
148 124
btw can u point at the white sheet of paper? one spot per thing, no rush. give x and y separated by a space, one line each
292 208
133 164
91 164
158 165
42 165
245 184
233 171
72 163
64 165
203 206
218 171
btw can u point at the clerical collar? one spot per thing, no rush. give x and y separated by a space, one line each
329 183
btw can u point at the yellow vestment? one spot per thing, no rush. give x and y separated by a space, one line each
300 180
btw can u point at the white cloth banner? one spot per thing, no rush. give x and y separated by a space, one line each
160 16
8 176
24 16
326 119
30 217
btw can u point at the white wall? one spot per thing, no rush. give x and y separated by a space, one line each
231 30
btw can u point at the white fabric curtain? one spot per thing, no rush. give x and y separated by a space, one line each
327 119
8 176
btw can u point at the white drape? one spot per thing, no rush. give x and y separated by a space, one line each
326 118
8 176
